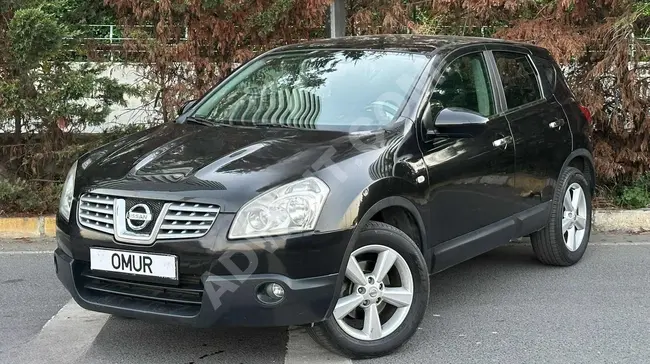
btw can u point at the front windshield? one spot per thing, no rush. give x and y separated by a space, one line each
331 89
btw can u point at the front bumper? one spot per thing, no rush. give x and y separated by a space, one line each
204 295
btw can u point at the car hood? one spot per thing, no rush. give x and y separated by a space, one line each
230 164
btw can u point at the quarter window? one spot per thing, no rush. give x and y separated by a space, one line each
547 73
465 83
518 78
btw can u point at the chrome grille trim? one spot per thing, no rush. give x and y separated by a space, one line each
96 212
177 220
187 220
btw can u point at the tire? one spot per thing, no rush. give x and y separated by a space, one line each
552 245
340 337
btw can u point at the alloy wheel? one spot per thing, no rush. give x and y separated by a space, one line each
377 293
574 217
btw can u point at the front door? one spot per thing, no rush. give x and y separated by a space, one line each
542 135
470 179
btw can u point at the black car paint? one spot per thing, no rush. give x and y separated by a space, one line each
465 196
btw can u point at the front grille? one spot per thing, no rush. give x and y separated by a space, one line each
176 220
96 212
187 220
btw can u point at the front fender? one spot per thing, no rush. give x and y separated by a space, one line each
350 210
364 205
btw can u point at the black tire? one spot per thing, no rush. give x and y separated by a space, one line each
330 335
548 243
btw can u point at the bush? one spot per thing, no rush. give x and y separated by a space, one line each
21 197
635 195
34 175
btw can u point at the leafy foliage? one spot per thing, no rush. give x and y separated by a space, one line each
43 99
75 13
34 35
219 34
187 46
39 92
635 195
23 197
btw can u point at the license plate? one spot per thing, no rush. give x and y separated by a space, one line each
142 264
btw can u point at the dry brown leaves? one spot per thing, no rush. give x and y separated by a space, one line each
220 33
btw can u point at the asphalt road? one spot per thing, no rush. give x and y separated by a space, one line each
502 307
29 296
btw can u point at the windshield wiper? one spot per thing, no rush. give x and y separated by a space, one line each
200 121
219 122
273 125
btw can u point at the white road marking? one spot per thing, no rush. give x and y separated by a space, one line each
302 349
26 252
622 243
64 338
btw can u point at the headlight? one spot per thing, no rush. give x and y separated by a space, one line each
290 208
65 204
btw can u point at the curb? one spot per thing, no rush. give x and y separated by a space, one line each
28 227
634 221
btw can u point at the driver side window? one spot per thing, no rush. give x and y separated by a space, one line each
465 83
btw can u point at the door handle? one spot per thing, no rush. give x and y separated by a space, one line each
502 143
557 124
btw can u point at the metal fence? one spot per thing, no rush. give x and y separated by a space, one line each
106 40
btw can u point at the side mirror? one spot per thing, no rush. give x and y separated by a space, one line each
456 122
186 106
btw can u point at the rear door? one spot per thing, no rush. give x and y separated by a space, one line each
541 133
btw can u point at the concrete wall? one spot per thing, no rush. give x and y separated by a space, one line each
137 110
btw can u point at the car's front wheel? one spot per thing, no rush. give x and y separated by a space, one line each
383 297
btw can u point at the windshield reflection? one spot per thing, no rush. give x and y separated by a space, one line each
325 89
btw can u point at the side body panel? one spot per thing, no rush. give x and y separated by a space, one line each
543 138
470 180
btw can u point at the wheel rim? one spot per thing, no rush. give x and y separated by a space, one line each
574 217
382 295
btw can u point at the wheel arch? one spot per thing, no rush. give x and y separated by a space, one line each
584 161
384 204
389 210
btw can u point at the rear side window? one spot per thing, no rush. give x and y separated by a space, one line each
518 77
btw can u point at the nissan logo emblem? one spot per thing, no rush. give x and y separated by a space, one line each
138 217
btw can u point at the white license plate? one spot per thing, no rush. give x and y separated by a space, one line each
142 264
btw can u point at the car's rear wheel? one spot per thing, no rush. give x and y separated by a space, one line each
383 297
564 240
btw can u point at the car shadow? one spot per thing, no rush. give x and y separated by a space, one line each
123 340
490 284
495 275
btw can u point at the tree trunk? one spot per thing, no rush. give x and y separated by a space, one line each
18 124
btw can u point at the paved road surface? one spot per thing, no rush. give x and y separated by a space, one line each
502 307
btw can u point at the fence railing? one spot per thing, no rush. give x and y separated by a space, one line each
106 40
109 38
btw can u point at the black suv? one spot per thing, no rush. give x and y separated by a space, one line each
322 183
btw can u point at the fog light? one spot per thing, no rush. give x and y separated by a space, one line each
270 293
275 290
